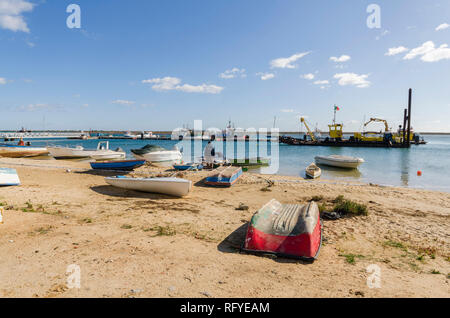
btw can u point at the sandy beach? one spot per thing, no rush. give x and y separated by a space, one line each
132 244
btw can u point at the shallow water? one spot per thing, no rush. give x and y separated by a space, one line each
385 166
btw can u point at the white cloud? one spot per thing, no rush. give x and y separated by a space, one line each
173 83
11 17
123 102
2 81
340 59
287 110
234 72
421 50
286 62
353 79
266 76
396 50
308 76
442 26
440 53
321 82
38 107
429 52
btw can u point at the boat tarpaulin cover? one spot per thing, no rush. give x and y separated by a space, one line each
289 230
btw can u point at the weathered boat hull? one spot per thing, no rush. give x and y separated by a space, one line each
313 172
224 176
13 151
171 186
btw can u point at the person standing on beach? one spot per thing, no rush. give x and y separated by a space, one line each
209 154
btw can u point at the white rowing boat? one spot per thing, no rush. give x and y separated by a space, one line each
101 153
172 186
312 171
9 177
339 161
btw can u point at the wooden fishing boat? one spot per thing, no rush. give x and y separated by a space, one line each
224 176
339 161
15 151
312 171
122 165
171 186
286 230
9 177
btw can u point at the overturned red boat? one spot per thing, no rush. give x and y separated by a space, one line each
286 230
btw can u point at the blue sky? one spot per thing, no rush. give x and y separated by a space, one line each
157 65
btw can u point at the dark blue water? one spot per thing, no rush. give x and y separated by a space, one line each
385 166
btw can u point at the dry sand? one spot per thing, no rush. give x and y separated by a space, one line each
131 244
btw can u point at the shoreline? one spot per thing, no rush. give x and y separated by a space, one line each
133 244
290 178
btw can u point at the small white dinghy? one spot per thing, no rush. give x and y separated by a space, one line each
8 177
339 161
312 171
101 153
165 185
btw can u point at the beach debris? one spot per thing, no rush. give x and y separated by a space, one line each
242 207
171 288
136 291
68 170
205 293
330 215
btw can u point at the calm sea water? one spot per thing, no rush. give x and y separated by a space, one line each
383 166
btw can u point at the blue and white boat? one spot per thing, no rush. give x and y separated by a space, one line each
123 165
224 176
188 166
9 177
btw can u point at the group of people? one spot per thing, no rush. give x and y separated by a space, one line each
22 143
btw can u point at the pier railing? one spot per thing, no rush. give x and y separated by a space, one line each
39 135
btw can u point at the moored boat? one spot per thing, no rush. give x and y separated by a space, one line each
157 155
339 161
165 185
312 171
9 177
15 151
117 164
79 152
287 230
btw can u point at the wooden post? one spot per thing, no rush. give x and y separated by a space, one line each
409 118
404 126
